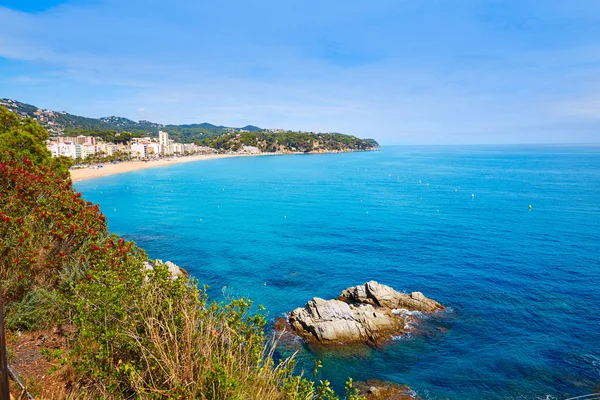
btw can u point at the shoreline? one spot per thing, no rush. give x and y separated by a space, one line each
107 169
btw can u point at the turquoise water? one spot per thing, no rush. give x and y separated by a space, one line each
523 286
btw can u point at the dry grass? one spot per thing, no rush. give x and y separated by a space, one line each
197 353
170 342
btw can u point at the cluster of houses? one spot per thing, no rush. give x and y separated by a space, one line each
82 147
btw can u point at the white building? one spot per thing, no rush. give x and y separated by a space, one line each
107 149
154 148
80 151
163 140
89 149
177 148
139 150
62 149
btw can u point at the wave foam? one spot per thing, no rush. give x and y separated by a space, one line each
403 311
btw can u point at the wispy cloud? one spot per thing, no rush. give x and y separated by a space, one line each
584 107
401 71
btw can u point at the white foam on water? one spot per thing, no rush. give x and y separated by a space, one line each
405 336
404 311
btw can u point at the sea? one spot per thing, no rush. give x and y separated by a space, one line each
507 237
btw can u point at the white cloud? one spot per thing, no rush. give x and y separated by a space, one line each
410 91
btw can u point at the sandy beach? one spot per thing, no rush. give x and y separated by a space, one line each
81 174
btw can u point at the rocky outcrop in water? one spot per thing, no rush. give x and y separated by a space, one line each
380 390
384 296
368 313
174 270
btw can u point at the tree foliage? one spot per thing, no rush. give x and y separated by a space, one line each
304 142
25 139
139 333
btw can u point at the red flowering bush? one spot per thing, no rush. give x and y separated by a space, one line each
49 235
139 333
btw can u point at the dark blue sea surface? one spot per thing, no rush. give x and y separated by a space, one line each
522 286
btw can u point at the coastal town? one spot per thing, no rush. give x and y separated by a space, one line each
113 139
145 148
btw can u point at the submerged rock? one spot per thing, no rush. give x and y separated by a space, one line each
375 390
367 313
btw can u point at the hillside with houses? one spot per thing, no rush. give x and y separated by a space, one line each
118 138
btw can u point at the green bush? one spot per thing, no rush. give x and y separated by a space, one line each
142 334
33 311
139 332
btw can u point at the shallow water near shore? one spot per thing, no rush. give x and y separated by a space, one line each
523 285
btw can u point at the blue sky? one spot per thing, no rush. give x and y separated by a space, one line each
402 71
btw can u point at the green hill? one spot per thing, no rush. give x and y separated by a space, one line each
295 142
58 122
220 137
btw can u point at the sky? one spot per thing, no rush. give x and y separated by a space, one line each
400 71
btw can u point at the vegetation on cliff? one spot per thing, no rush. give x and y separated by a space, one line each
304 142
135 332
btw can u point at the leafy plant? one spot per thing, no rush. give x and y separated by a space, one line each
140 333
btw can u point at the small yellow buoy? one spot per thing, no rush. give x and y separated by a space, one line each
529 206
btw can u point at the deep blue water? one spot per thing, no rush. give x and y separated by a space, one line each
523 285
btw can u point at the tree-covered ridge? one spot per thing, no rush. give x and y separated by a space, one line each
119 129
303 142
73 125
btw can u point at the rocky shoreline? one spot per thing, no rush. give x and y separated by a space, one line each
371 313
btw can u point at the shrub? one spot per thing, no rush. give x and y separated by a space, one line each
143 335
33 311
140 334
45 226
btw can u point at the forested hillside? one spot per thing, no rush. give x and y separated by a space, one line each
69 124
290 142
119 129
